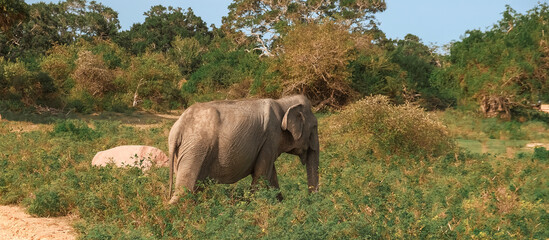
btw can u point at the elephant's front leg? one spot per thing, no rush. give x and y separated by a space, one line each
265 169
274 182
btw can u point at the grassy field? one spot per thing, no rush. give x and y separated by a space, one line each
493 187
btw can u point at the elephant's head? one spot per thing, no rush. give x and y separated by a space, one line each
301 127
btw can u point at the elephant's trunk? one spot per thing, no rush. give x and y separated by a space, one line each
312 170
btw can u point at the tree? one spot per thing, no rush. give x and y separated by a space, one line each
160 29
12 12
59 63
58 23
267 20
504 68
373 72
91 19
418 62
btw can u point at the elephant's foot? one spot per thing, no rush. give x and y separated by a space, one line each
279 197
174 199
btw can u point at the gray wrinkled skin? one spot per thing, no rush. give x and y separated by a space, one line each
229 140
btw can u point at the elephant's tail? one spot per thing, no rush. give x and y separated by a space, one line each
173 147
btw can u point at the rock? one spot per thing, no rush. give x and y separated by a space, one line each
131 156
535 145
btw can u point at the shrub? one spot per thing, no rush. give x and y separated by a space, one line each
76 129
396 129
101 231
186 52
59 63
153 80
227 72
48 202
541 153
17 82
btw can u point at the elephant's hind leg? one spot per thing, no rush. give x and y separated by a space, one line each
187 173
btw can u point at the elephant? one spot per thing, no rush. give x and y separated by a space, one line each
231 139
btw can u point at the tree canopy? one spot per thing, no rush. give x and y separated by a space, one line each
267 20
59 23
72 55
503 68
12 12
162 25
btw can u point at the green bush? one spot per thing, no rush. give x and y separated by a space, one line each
12 105
48 202
499 129
154 79
227 72
74 129
540 153
101 232
405 130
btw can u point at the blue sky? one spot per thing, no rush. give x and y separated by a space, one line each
434 21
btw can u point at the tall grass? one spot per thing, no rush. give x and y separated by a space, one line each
454 195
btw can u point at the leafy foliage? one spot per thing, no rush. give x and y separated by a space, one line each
267 20
502 68
154 79
372 72
48 202
58 23
161 27
12 12
228 72
186 52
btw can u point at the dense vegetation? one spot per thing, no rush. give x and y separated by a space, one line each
365 189
78 59
388 169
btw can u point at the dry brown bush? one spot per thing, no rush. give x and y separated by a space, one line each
314 62
92 74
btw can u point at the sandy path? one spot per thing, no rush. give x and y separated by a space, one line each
17 225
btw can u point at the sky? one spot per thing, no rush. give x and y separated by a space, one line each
435 22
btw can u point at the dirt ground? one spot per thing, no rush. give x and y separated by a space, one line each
17 225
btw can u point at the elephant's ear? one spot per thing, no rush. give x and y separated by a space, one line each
293 121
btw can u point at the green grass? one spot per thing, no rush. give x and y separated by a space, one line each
463 195
474 146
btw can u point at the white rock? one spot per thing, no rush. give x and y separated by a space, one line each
131 156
